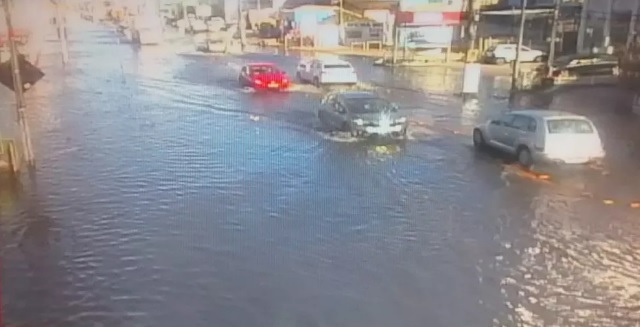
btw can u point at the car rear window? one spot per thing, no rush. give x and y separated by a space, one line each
368 105
335 66
262 69
569 126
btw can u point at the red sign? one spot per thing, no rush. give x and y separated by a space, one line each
428 18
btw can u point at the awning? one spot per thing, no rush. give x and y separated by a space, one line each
516 12
428 18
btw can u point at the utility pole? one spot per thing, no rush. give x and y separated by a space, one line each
472 28
582 29
17 86
341 17
396 41
515 72
472 71
241 26
62 30
554 35
607 25
632 23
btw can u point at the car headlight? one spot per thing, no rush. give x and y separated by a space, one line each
401 120
358 122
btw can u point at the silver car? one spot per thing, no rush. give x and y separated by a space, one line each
542 136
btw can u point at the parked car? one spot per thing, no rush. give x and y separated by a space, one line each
506 53
361 113
581 69
326 71
216 24
263 76
542 136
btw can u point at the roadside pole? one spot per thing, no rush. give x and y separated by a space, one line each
472 70
396 40
515 72
241 27
582 29
632 23
607 26
341 17
554 36
62 30
19 94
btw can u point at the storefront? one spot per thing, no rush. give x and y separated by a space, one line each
427 30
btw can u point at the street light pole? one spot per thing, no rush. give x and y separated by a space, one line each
17 86
607 25
62 30
341 17
515 72
582 29
554 33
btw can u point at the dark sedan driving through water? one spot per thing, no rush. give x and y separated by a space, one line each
361 113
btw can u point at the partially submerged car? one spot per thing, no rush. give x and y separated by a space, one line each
361 113
542 136
263 76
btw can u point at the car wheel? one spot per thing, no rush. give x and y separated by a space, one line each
524 157
478 139
538 59
500 61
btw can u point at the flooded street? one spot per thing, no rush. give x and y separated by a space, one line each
166 195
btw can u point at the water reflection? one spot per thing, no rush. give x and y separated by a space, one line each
571 269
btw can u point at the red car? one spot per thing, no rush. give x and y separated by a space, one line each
263 76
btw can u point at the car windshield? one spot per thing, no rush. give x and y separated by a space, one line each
569 126
368 105
263 69
336 66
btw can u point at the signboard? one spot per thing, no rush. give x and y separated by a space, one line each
30 74
431 5
429 18
203 11
363 32
426 37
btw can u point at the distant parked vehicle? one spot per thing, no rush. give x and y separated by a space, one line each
326 71
585 69
542 136
216 24
505 53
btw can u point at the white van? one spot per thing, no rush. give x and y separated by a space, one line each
542 136
326 71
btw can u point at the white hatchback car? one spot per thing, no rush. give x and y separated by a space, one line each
542 136
326 71
505 53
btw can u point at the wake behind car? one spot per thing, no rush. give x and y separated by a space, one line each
542 136
361 113
263 76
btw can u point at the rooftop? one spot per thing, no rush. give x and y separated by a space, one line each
547 113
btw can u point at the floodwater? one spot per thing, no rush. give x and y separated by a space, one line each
166 195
